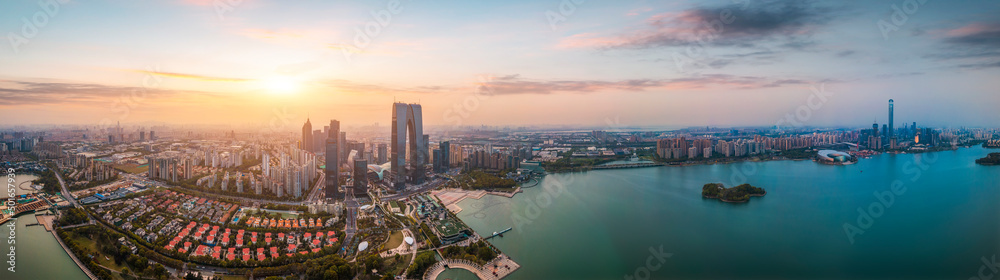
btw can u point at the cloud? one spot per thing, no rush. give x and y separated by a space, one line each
515 84
845 53
49 93
199 2
976 44
190 76
268 34
975 34
789 22
636 12
366 88
983 65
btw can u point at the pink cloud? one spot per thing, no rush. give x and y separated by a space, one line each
638 11
972 29
199 2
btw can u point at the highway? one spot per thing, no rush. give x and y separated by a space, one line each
65 191
314 195
406 193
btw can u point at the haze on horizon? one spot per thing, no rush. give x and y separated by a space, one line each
500 62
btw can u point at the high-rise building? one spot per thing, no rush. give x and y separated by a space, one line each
383 155
307 140
890 130
188 173
342 146
360 177
318 139
407 127
298 184
333 161
436 161
445 148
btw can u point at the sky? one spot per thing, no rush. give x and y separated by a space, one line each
517 63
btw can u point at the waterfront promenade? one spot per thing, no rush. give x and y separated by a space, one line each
450 197
73 256
496 269
68 196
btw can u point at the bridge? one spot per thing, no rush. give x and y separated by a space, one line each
496 269
626 165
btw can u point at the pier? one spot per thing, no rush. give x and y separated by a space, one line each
495 234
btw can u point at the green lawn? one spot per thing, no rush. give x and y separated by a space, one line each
395 239
234 277
394 267
90 245
132 168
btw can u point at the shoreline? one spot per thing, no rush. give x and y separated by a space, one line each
696 163
450 197
734 201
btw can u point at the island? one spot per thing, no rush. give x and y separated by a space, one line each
741 193
991 159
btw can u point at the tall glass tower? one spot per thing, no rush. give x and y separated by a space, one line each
890 131
333 161
407 126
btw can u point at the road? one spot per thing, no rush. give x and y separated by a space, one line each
406 193
314 195
65 191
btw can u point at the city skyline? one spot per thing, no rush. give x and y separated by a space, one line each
584 67
437 140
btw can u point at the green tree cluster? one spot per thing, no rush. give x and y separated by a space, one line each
73 216
735 194
479 252
421 263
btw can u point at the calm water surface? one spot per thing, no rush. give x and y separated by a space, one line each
604 224
39 256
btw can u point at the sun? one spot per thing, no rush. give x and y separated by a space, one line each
281 85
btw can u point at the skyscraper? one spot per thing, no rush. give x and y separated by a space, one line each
437 161
333 161
307 140
445 148
344 150
383 153
407 126
360 176
318 139
890 131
